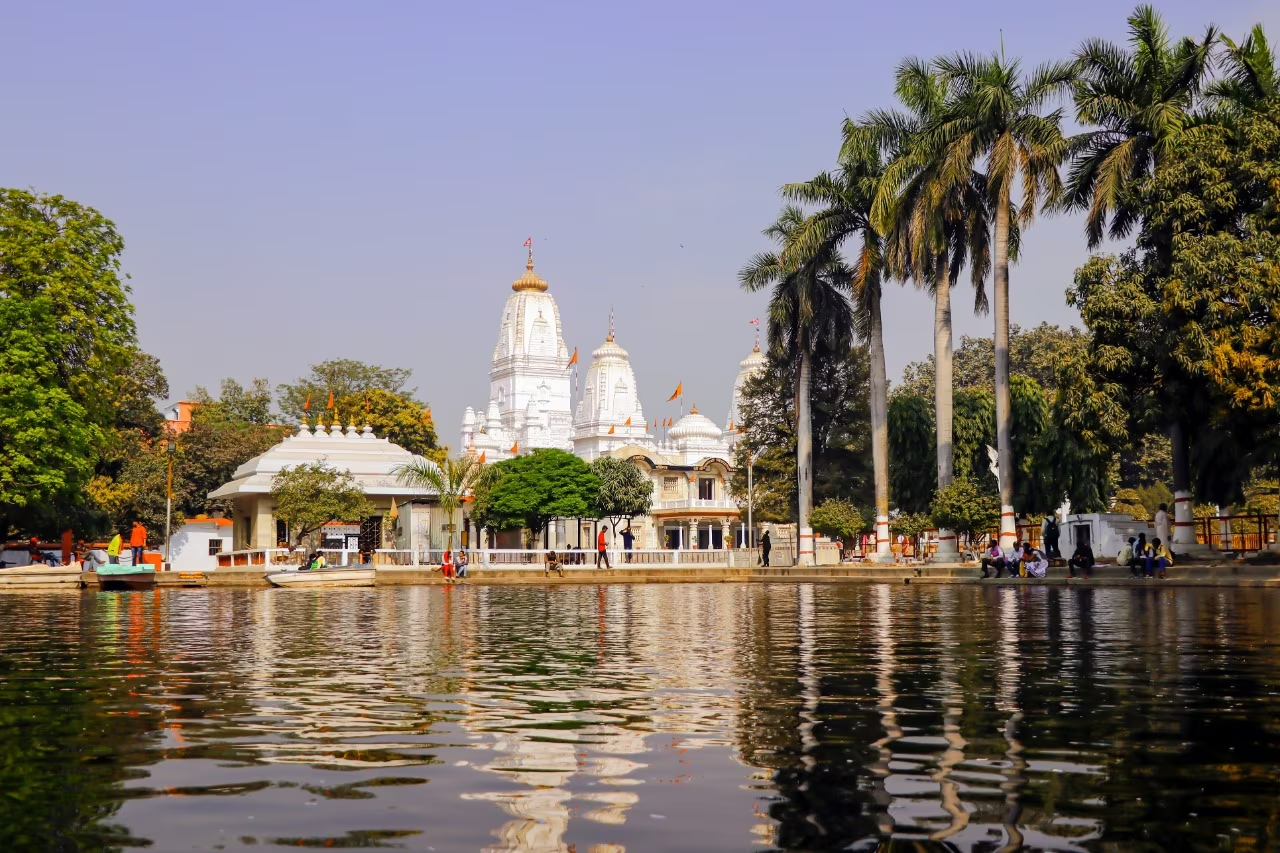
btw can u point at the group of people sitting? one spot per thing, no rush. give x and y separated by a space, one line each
1145 559
454 571
1021 561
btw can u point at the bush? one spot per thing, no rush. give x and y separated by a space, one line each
837 518
965 508
1129 502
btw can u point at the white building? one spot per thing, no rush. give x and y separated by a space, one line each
690 463
529 379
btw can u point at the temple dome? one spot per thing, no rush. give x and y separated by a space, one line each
530 280
754 364
694 426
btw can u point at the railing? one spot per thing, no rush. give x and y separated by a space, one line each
1236 532
698 503
284 559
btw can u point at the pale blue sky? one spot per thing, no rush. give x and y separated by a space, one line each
305 180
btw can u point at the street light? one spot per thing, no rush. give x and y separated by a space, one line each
171 448
751 528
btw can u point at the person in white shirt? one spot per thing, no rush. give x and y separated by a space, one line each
1162 524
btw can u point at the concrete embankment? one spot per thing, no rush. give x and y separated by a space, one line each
1235 574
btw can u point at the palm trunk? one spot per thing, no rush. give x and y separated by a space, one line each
804 459
1004 413
942 392
1184 525
879 426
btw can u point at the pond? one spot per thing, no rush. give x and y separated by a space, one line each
600 719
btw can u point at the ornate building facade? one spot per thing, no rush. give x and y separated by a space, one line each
529 407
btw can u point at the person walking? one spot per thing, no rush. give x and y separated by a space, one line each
113 550
628 541
602 550
137 542
1051 536
765 547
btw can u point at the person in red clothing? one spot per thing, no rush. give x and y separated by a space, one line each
602 551
446 567
137 542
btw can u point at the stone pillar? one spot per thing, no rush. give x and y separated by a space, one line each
726 534
264 524
693 534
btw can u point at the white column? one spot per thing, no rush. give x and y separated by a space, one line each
1008 526
883 551
1184 526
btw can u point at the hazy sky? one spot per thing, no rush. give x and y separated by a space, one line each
298 181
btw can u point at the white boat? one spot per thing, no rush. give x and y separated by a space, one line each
40 576
335 576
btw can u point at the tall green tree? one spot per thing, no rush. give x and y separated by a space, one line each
845 198
625 492
997 118
68 352
1249 76
532 489
312 494
808 310
934 220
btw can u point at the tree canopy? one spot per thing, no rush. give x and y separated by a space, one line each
312 494
532 489
625 492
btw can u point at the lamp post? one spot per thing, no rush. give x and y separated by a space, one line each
751 528
170 449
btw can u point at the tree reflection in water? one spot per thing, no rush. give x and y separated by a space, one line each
601 719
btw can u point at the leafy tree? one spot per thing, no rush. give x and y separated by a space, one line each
911 448
965 508
911 524
365 394
838 518
624 493
310 495
1129 502
1250 77
995 119
974 432
841 437
138 492
1035 353
236 404
531 490
452 481
70 368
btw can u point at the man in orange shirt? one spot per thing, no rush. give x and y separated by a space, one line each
137 542
602 551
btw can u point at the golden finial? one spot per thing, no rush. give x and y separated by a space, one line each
694 410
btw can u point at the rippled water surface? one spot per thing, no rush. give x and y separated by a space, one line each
670 717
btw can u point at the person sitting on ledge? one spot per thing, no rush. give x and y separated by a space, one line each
552 565
1034 563
1125 557
1160 560
994 559
1081 561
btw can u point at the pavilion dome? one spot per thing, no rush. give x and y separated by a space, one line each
752 365
694 427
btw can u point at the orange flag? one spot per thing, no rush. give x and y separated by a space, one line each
482 457
515 448
573 360
670 422
426 415
730 426
306 407
610 430
367 407
679 390
628 423
330 406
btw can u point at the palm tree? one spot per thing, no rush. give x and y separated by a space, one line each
1137 100
844 199
1249 73
932 226
808 311
993 119
451 480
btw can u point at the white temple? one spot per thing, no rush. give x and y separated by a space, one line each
529 407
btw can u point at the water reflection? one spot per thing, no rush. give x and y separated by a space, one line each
720 717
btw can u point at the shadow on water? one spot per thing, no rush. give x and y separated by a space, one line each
602 719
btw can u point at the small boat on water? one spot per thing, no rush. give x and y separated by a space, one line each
41 576
327 577
116 576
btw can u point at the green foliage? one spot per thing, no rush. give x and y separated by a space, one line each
1035 353
533 489
965 508
70 368
913 468
138 491
837 518
235 403
451 481
973 430
624 493
1152 496
910 523
310 495
1129 502
364 394
841 435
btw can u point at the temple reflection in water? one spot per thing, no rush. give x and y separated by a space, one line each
655 717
